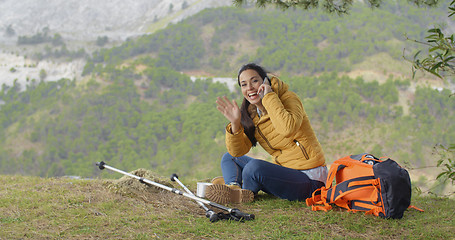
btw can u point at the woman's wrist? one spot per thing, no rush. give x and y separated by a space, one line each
235 127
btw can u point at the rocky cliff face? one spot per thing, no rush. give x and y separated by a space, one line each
88 19
79 21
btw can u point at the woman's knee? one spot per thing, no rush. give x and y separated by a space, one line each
253 168
227 157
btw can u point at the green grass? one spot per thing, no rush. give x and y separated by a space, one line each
57 208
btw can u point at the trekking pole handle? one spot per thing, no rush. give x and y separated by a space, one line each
241 215
211 215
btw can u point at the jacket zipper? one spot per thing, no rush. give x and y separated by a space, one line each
268 143
303 149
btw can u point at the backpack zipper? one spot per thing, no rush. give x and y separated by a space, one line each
303 149
268 143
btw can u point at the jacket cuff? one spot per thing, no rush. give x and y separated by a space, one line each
229 130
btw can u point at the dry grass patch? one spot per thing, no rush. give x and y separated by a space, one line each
158 197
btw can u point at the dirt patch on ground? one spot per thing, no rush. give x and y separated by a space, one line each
158 197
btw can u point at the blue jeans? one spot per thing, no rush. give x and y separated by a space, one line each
255 175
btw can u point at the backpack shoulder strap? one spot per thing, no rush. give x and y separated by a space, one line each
334 168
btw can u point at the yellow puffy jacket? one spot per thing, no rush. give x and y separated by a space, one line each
284 131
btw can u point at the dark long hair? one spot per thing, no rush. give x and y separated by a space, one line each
246 121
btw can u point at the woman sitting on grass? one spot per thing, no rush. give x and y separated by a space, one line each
274 117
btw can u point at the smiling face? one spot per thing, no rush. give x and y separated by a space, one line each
250 81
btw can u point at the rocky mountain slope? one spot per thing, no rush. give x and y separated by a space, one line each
80 22
86 19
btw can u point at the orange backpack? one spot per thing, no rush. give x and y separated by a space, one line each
365 183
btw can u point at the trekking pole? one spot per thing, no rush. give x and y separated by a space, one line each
233 213
208 212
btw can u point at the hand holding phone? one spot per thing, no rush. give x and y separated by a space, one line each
265 87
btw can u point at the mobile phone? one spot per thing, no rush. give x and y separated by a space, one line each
266 82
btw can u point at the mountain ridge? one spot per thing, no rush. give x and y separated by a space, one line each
80 23
86 19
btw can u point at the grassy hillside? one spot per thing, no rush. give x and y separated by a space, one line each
134 108
292 42
58 208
